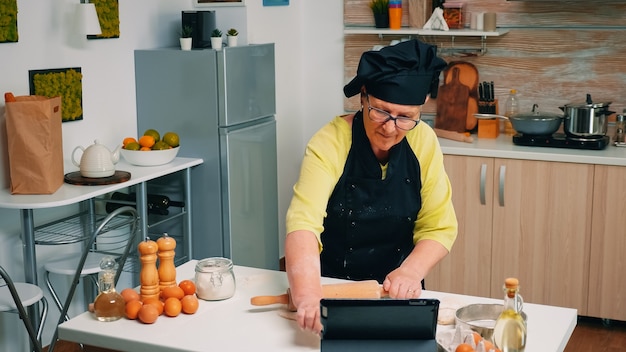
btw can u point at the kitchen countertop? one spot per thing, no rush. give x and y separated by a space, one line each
235 325
503 147
69 194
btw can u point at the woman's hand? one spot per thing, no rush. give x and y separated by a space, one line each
308 313
403 283
302 261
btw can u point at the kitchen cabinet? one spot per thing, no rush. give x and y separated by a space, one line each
523 218
608 244
467 269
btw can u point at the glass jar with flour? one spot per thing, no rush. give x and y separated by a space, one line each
215 279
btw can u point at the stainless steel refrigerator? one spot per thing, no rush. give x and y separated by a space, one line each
222 105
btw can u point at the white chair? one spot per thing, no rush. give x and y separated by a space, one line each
103 241
14 296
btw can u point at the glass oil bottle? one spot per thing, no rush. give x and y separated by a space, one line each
109 304
510 331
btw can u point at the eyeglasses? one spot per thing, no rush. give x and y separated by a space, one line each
381 116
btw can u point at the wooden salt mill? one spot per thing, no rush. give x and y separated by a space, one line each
167 268
149 276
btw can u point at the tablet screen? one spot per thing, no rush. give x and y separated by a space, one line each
379 318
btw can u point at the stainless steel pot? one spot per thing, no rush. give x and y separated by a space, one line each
587 120
536 123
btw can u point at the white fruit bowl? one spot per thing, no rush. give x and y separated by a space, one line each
149 157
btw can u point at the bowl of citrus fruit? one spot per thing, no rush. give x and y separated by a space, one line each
151 149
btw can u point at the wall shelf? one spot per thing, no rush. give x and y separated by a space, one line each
423 32
381 32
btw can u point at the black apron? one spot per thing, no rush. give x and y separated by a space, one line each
368 230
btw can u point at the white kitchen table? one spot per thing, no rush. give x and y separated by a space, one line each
235 325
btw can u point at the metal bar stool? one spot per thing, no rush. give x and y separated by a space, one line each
13 298
95 248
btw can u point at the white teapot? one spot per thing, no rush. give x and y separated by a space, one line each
97 160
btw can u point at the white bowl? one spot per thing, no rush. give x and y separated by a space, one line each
149 157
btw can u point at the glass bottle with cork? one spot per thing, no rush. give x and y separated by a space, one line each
109 304
509 334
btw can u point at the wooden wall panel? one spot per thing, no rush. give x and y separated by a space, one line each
554 54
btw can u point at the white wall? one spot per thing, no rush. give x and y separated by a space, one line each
309 71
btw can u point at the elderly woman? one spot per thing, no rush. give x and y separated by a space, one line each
373 200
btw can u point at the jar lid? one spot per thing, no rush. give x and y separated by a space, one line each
453 5
589 104
214 264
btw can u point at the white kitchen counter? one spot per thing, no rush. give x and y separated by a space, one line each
235 325
503 147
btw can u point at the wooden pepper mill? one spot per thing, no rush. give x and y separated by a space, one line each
167 268
149 276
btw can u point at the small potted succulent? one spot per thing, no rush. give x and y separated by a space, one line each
380 9
216 39
231 35
185 38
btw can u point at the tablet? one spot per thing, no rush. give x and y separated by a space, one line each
379 319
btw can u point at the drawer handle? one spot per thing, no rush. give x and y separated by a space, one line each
501 186
483 181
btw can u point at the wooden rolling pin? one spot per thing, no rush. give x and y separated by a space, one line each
455 136
357 289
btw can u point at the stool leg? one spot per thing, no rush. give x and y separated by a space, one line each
54 295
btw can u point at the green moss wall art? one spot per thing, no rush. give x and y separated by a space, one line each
64 82
109 17
8 21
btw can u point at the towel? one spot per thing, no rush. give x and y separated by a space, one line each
436 21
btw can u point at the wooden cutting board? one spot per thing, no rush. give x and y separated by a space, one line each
75 178
457 100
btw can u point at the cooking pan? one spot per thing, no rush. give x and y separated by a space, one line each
534 123
587 120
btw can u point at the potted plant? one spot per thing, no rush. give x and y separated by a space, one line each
216 39
185 37
231 35
380 9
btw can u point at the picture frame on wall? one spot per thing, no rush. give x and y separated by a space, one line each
64 82
216 3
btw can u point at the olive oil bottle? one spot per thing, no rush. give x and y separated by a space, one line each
510 331
109 304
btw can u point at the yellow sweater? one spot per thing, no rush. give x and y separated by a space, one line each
322 166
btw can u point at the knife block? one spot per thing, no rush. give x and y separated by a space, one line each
488 128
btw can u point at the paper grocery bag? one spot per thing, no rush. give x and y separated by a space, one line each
35 145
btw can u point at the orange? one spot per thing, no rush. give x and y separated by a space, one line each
488 345
146 141
129 294
173 307
190 304
188 287
172 291
148 314
128 140
132 309
155 302
464 347
477 337
144 149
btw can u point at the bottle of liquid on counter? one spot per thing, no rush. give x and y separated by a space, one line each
509 334
511 107
620 129
109 304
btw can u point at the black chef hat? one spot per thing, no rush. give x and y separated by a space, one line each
404 73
